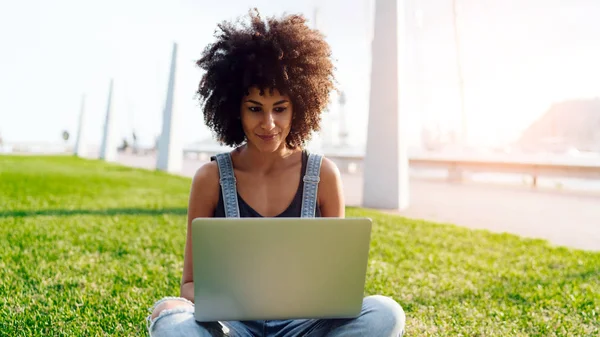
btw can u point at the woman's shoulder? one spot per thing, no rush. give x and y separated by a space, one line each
329 172
206 180
330 194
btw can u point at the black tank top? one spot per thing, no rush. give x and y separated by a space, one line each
292 211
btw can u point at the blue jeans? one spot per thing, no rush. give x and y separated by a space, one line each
380 317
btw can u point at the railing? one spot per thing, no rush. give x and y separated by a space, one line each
581 168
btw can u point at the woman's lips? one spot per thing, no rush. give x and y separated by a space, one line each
267 137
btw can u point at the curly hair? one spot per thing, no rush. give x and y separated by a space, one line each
283 54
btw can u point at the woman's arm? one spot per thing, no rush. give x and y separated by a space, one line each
204 196
330 195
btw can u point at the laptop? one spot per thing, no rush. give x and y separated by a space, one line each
279 268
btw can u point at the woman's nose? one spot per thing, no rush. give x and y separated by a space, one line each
268 121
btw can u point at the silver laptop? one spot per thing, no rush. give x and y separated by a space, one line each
279 268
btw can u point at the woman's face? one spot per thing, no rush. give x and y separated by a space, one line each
266 119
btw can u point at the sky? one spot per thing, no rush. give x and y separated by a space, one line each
518 57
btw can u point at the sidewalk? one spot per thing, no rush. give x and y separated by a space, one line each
564 218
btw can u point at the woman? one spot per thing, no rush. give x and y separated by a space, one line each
263 91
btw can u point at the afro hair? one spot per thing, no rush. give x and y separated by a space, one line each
283 54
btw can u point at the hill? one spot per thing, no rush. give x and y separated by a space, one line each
573 124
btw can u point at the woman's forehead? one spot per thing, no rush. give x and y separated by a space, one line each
265 94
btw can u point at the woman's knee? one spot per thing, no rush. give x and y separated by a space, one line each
173 314
166 305
385 314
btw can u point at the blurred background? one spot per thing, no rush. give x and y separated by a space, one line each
529 68
500 80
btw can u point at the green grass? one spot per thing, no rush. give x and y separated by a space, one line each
87 247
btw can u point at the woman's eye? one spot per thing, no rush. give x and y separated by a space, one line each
254 108
282 109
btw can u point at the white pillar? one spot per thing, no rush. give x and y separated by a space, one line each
170 147
464 132
343 131
108 150
316 18
386 161
81 142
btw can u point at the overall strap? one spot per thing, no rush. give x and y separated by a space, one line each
311 184
227 181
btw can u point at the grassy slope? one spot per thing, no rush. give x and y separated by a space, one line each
86 248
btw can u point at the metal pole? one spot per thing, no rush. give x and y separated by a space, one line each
108 150
464 127
80 144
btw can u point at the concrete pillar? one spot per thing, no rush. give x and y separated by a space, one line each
170 147
343 131
386 160
108 149
81 141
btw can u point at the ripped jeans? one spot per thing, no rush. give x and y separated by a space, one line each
380 317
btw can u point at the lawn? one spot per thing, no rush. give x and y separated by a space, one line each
86 247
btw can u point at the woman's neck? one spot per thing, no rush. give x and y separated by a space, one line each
249 158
